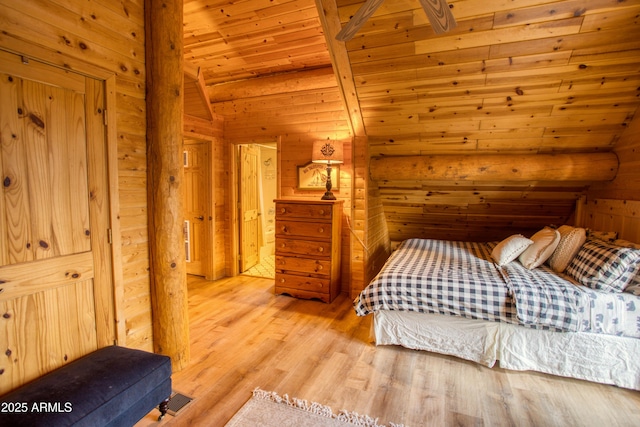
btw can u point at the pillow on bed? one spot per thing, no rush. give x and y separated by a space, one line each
510 248
545 242
634 286
626 244
604 266
607 236
571 240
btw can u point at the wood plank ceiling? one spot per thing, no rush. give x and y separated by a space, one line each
514 77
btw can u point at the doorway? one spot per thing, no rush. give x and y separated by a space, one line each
198 207
257 189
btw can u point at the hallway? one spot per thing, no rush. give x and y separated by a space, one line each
266 268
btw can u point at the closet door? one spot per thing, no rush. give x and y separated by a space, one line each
198 207
250 207
56 291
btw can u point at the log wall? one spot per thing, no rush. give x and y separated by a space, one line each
103 39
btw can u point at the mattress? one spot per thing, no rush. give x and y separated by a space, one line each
601 358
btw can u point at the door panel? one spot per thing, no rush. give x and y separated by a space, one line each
55 258
197 201
249 207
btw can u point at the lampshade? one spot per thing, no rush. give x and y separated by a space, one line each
327 151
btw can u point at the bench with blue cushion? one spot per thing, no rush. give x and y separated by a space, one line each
113 386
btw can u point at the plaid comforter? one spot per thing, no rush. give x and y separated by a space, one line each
460 278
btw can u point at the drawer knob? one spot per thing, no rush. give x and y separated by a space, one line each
284 228
320 230
283 210
318 267
282 280
321 212
284 245
320 249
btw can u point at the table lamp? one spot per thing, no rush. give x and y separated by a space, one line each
327 152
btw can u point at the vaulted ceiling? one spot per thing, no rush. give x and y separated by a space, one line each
514 76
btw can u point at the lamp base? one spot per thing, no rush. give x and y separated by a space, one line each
328 196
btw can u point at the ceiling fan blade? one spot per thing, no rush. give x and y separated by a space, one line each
358 20
439 15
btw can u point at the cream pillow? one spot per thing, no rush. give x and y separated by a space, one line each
571 240
545 242
509 249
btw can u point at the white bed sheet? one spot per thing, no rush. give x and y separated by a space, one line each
594 357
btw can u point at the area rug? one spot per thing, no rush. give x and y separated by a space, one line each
268 409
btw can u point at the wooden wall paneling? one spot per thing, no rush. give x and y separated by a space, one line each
88 42
621 216
293 114
202 128
627 181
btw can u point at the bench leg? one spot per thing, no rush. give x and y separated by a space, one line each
163 407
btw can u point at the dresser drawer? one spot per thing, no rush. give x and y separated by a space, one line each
303 247
303 265
302 210
310 284
306 229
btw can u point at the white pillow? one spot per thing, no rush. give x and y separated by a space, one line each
510 248
545 242
571 240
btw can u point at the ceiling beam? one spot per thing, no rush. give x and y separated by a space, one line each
330 20
297 81
587 167
194 80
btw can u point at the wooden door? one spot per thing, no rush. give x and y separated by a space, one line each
197 206
249 207
55 260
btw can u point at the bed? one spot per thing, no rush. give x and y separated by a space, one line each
467 300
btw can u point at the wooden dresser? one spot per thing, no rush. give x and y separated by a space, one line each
308 248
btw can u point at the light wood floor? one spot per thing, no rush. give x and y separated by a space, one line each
243 337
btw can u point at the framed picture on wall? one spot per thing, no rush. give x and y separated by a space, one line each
313 176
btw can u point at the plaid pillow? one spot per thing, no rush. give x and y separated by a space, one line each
634 286
604 266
